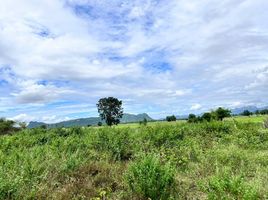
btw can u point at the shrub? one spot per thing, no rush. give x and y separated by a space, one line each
149 178
116 142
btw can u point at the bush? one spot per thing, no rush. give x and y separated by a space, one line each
116 142
148 178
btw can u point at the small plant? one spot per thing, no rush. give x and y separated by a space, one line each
148 178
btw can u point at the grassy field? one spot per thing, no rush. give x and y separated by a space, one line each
178 160
253 118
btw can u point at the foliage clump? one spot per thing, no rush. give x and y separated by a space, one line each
148 178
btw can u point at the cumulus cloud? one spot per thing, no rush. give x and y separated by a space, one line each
163 55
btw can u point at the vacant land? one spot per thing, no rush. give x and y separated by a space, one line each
216 160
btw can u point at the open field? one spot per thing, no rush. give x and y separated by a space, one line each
216 160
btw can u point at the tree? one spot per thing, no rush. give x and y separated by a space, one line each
23 125
264 112
246 113
221 113
110 109
171 118
6 126
99 123
206 117
192 118
144 122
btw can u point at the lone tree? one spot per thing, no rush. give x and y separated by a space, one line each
246 113
222 113
171 118
110 110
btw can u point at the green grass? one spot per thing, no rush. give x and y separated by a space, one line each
163 160
253 118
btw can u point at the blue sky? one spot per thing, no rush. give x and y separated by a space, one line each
58 57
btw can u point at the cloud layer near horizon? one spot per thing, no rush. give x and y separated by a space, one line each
57 58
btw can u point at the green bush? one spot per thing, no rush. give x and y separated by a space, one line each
149 178
116 142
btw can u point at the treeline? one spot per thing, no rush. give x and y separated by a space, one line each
217 115
257 112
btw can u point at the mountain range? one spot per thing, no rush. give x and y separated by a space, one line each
91 121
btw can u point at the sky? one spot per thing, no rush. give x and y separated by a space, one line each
58 57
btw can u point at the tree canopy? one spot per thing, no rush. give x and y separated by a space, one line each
110 109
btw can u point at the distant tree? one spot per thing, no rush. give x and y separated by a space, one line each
144 122
44 126
192 118
171 118
206 117
264 112
246 113
257 112
110 109
22 125
99 123
221 113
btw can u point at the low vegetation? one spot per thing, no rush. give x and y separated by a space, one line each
207 160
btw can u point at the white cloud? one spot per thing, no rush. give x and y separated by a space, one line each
196 107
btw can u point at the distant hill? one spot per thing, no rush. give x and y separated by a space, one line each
127 118
237 111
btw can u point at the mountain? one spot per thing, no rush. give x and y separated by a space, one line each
237 111
127 118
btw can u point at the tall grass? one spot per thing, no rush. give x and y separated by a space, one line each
227 160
